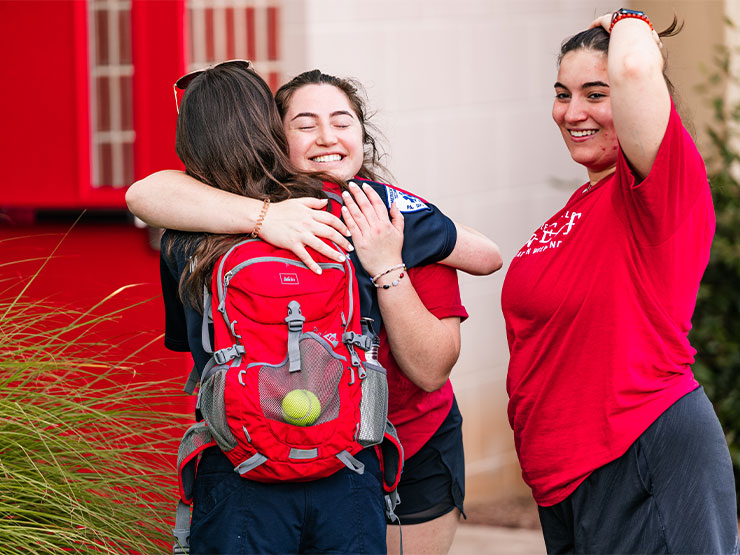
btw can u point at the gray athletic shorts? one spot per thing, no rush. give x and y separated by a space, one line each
673 491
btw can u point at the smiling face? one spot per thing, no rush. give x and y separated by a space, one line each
582 111
324 133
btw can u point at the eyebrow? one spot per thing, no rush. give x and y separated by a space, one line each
586 85
315 116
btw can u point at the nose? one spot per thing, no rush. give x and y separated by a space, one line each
575 110
326 135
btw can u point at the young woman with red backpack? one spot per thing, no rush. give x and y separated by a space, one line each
211 506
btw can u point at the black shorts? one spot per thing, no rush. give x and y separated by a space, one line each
433 480
673 491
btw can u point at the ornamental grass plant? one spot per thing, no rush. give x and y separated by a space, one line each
86 447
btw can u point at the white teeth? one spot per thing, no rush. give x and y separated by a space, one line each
327 158
584 133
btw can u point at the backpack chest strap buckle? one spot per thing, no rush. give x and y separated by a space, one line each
364 342
222 356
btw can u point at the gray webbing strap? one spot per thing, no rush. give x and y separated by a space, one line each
295 328
350 462
181 531
207 371
252 462
391 500
336 198
192 381
303 454
205 336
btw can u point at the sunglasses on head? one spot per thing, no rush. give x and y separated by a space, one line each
183 82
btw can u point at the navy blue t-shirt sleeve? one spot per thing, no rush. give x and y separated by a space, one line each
428 235
175 329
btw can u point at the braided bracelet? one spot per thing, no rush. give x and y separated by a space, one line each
401 267
623 13
256 231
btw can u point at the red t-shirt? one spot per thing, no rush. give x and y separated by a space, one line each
415 413
598 307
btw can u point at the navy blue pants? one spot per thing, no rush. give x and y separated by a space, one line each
673 491
339 514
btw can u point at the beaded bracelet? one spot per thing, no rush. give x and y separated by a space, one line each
401 267
391 284
256 231
622 13
395 282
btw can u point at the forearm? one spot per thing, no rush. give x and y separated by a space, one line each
174 200
425 347
639 95
474 253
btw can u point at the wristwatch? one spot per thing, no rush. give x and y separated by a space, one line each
624 13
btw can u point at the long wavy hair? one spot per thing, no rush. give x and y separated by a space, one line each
230 136
372 168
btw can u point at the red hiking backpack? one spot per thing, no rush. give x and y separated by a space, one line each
293 389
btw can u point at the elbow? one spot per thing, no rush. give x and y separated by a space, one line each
496 262
635 67
491 261
133 197
430 386
434 379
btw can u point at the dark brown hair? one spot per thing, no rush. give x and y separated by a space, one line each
371 168
597 39
230 136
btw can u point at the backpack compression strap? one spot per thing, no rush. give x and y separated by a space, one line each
196 439
181 531
295 328
390 452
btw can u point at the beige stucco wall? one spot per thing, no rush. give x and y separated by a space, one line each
690 50
463 91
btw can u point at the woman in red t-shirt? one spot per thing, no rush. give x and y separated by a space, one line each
618 442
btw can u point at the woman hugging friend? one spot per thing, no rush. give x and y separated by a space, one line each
322 125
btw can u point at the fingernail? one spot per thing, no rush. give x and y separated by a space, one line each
346 194
342 258
352 184
350 248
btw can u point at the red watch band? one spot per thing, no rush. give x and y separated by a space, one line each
624 14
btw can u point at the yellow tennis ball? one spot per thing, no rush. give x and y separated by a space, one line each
301 407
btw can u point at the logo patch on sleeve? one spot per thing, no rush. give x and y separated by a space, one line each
404 201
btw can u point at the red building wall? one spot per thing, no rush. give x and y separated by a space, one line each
47 149
44 98
47 140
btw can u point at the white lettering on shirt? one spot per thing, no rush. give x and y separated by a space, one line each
546 236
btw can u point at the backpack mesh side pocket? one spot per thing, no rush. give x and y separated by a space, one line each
320 373
374 405
214 412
